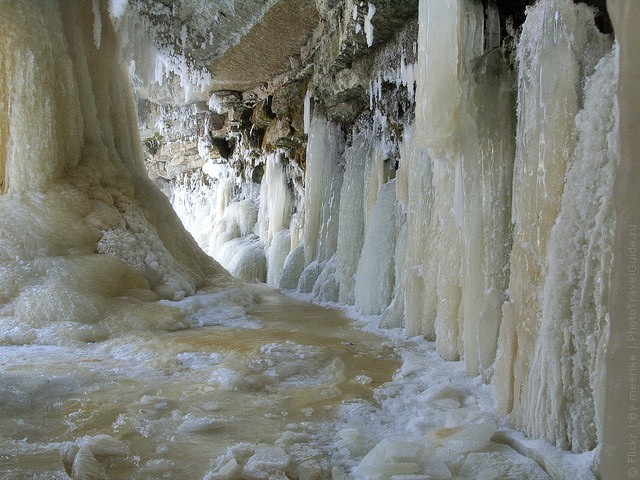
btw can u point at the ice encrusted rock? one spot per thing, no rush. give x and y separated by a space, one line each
266 462
309 470
391 457
502 463
463 439
229 471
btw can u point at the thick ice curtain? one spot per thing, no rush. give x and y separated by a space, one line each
74 185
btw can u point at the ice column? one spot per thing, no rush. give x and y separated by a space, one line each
375 277
322 190
483 192
351 218
438 87
78 210
276 202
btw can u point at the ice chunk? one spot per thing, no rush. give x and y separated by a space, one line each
391 457
226 378
229 471
200 424
503 463
104 445
309 470
86 467
384 471
266 462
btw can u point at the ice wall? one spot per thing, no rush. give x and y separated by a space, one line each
85 237
552 69
565 385
502 204
476 214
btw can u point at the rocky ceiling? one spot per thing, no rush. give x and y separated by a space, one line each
268 49
241 42
245 44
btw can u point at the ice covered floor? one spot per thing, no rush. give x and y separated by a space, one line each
261 386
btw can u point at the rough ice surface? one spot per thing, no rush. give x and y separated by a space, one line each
576 287
553 69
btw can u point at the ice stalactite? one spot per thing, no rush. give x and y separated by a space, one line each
75 187
552 66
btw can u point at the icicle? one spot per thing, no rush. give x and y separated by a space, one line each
97 23
368 27
307 111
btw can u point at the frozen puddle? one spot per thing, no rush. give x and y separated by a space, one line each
261 387
253 368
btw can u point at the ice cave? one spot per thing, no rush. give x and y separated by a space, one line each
319 239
